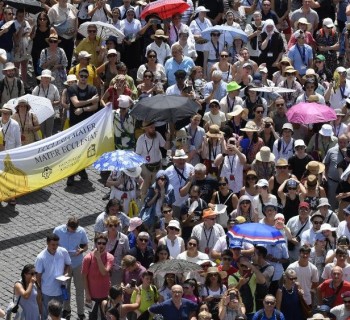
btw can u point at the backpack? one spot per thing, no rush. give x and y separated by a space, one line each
213 305
261 314
19 85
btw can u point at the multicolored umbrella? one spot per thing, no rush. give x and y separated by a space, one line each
165 9
118 160
255 233
308 113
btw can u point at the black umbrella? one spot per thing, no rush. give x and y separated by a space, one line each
164 108
29 6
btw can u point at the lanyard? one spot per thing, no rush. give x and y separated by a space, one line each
192 136
284 149
148 150
302 54
230 107
236 129
24 123
8 87
216 49
177 34
231 162
342 91
212 152
336 131
206 237
47 92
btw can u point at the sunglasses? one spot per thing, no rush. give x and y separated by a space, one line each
143 240
113 225
161 178
111 55
53 41
167 211
173 228
261 112
206 266
83 76
152 56
279 104
224 56
317 222
226 259
215 34
213 106
186 287
251 178
101 243
214 275
293 279
212 219
222 184
92 31
270 303
281 167
299 147
191 244
318 61
292 188
346 301
245 202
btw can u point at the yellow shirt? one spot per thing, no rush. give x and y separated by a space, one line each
92 72
148 298
90 46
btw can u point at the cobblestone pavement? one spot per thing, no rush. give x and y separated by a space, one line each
23 228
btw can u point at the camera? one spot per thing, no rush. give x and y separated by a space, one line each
155 21
233 296
187 89
132 283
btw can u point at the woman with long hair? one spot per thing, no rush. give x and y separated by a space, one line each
147 87
249 188
288 297
108 70
117 245
191 292
224 66
170 279
245 209
161 254
39 33
26 291
152 65
231 305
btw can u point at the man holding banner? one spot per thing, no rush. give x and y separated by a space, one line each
83 103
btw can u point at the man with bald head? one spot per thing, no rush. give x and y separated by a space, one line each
176 307
332 289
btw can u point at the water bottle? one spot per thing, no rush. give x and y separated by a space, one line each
64 292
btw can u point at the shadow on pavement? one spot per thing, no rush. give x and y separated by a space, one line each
41 234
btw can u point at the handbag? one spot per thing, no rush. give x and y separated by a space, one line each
291 245
329 301
307 310
13 310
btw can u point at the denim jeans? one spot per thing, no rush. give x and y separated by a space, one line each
45 301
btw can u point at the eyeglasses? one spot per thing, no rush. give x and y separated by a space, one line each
83 76
222 184
224 56
53 41
317 222
299 147
281 167
92 31
101 243
113 225
293 279
167 211
215 34
259 111
111 55
318 61
270 303
214 275
143 240
173 228
152 56
245 202
212 219
213 106
191 244
251 178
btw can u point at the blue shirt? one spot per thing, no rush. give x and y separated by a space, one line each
71 241
171 66
219 93
300 56
6 40
257 316
51 266
169 311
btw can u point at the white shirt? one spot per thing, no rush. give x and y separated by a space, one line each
99 14
306 276
3 55
173 90
207 237
340 312
11 132
221 245
130 28
175 247
308 237
178 182
149 148
51 93
197 27
336 100
214 118
343 230
326 274
257 205
286 150
232 168
162 52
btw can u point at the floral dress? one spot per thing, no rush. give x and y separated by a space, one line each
331 56
59 74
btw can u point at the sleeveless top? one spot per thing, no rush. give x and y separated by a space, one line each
108 75
274 190
290 305
313 201
291 207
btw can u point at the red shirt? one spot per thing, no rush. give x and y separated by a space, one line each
113 96
98 284
327 290
229 272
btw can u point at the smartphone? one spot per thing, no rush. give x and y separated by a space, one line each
233 296
187 89
247 273
133 283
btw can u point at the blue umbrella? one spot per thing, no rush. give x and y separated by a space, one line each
255 233
118 160
226 31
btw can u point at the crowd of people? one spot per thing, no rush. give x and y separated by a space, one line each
238 160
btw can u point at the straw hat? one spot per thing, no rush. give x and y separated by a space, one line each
281 162
315 167
339 112
146 124
22 100
311 180
238 109
159 34
214 131
223 274
181 134
250 127
52 36
46 74
265 155
285 59
318 316
9 66
313 98
6 108
302 21
290 69
132 172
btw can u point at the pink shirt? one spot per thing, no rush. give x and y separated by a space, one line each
98 284
309 39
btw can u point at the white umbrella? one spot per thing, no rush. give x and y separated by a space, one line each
273 89
41 106
104 30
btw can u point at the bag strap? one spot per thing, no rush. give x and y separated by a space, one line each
316 142
301 229
115 246
19 298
